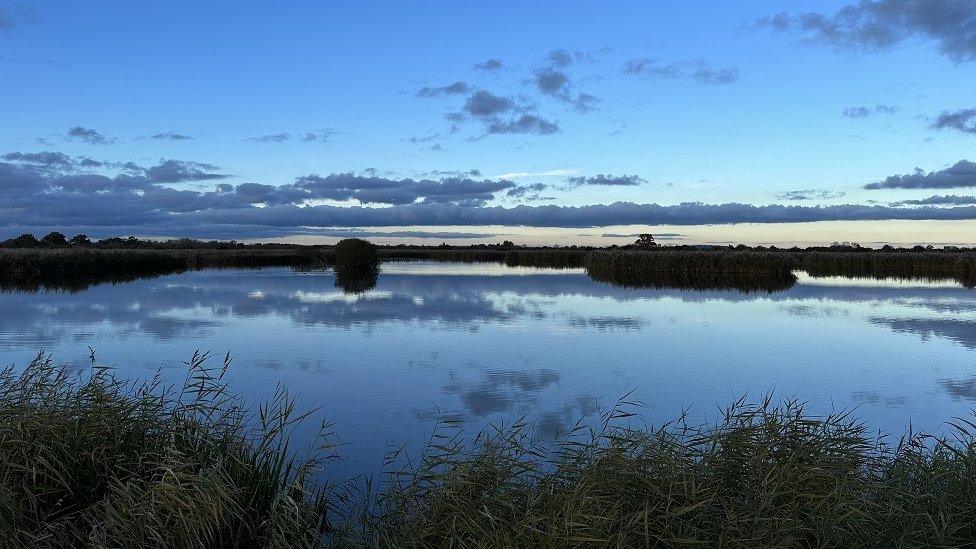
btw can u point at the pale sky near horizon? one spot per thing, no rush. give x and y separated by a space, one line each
441 121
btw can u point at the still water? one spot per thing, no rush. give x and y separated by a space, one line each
485 343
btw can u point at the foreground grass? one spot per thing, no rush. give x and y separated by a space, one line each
765 476
92 461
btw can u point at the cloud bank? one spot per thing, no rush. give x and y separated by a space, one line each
52 189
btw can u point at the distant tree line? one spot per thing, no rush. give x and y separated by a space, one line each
56 239
59 240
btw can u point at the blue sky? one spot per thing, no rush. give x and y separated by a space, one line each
727 104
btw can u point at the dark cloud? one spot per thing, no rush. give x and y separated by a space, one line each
559 58
963 120
522 190
456 88
606 180
490 108
585 102
502 114
46 158
483 103
618 213
89 136
530 192
697 70
864 112
551 81
41 191
563 58
938 200
810 194
380 190
882 24
321 136
960 174
556 83
178 171
492 64
526 123
172 136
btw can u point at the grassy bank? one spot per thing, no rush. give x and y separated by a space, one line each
93 461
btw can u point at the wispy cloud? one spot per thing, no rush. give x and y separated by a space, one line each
320 136
697 70
810 194
172 136
864 112
606 180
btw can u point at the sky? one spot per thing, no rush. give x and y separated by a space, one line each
422 122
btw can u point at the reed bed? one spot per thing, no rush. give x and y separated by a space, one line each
767 475
694 270
436 254
557 258
75 269
93 461
88 460
693 280
960 266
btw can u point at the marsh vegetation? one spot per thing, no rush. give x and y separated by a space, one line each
55 262
94 460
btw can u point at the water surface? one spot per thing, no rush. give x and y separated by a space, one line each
486 342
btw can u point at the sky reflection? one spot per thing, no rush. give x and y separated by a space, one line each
480 344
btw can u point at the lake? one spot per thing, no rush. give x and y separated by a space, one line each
486 343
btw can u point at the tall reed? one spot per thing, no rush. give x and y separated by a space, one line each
94 461
91 460
766 475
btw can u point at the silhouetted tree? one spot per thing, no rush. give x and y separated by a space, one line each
54 238
645 241
80 240
355 253
25 240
